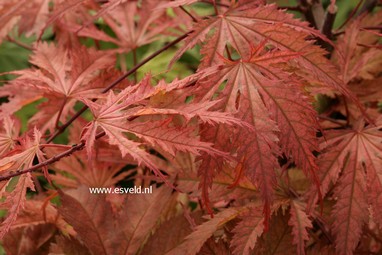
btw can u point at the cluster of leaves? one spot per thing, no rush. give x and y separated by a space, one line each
264 143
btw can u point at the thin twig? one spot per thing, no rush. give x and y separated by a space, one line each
219 4
153 55
347 111
228 52
362 28
135 63
372 28
215 7
351 14
60 113
368 6
194 19
116 82
332 120
370 46
291 8
22 45
50 161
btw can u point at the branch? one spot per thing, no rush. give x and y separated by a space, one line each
57 124
194 19
368 6
216 3
351 14
291 8
53 159
116 82
307 10
338 122
329 21
22 45
327 26
215 7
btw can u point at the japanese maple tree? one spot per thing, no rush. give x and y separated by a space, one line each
256 124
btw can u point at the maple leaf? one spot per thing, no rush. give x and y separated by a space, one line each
268 102
10 14
143 213
194 241
97 174
35 212
63 77
91 217
355 153
178 226
31 239
278 239
353 60
221 188
359 65
244 26
299 222
61 8
15 199
81 62
68 245
34 17
247 231
113 118
140 27
8 134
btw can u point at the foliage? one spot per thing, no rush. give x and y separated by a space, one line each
262 135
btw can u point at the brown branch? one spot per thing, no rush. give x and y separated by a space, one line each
372 28
362 28
329 21
219 4
117 81
153 55
60 113
347 111
370 46
351 14
291 8
368 6
135 61
228 52
194 19
22 45
53 159
306 8
215 7
332 120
